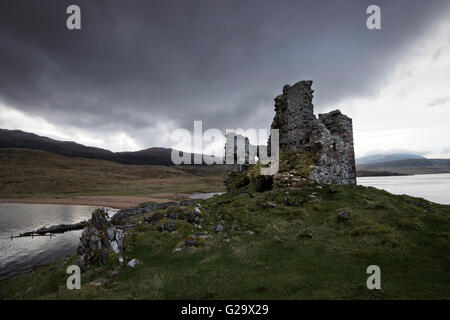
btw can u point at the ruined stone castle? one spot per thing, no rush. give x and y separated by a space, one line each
329 137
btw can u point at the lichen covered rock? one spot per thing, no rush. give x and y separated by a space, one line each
99 241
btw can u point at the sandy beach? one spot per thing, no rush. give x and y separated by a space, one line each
117 202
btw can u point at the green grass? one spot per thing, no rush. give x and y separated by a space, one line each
410 244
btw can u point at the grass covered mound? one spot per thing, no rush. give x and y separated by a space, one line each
300 242
294 170
263 251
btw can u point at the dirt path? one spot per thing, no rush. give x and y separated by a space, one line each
118 202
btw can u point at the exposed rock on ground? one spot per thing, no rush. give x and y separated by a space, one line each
99 241
218 228
343 216
125 213
307 233
169 227
195 217
187 202
60 228
133 263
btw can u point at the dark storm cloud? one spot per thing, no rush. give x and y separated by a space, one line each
135 64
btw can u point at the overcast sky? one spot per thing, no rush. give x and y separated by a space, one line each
137 70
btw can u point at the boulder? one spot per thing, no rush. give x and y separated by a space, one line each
111 233
343 216
94 243
218 228
169 227
115 247
194 217
307 233
271 205
133 263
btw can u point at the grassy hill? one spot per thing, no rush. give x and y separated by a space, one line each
283 243
26 140
25 173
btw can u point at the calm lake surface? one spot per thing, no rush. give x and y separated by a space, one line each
19 254
432 187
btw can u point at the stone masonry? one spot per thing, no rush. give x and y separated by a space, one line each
330 137
240 159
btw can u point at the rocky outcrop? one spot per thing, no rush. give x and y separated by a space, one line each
123 214
99 241
60 228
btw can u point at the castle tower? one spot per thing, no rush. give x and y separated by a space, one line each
330 137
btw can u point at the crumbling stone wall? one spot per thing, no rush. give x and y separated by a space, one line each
294 117
341 126
240 160
330 137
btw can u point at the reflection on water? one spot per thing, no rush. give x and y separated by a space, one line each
432 187
203 196
19 254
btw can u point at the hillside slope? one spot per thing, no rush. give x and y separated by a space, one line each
25 140
286 243
386 157
25 173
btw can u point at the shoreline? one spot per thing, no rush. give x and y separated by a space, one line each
115 202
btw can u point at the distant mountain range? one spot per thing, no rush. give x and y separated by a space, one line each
409 166
375 165
399 164
376 158
25 140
